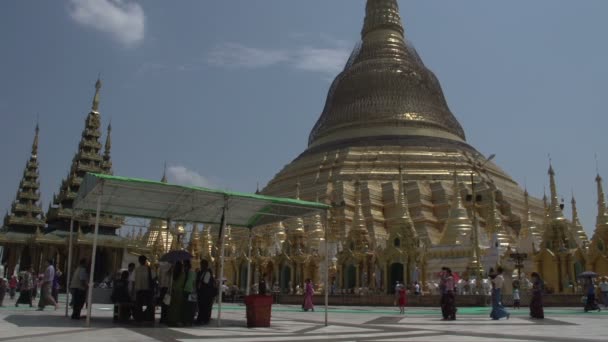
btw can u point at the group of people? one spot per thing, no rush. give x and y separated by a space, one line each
184 295
28 286
447 291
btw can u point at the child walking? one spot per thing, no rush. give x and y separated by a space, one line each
402 299
516 297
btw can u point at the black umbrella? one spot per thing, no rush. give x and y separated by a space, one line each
175 256
587 274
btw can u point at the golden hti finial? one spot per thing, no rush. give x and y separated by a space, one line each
95 107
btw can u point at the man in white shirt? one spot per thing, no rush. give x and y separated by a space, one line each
46 297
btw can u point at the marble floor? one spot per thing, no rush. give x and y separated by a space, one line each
289 323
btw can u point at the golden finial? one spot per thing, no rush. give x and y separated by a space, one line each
95 107
555 209
382 15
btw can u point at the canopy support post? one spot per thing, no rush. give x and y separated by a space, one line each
167 243
249 247
93 257
69 266
221 275
327 284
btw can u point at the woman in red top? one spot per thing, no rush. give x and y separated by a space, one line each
12 286
402 299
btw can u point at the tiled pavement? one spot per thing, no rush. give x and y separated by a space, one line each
290 324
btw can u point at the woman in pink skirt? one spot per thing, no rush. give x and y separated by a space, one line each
308 293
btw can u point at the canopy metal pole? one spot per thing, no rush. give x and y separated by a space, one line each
248 283
68 267
90 294
221 275
327 285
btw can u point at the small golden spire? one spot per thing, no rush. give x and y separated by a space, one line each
108 145
95 107
35 143
164 178
458 227
577 228
555 210
602 217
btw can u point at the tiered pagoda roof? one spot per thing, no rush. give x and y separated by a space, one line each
87 159
26 216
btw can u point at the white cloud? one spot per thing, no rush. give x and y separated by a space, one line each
124 20
184 176
323 60
330 61
236 55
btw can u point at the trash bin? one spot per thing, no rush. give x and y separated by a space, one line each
258 310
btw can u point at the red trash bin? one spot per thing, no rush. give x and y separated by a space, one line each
258 310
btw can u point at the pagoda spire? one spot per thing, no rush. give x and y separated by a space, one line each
382 15
164 178
578 232
26 213
35 143
358 232
554 210
601 223
107 162
95 106
602 214
458 227
496 227
88 158
529 238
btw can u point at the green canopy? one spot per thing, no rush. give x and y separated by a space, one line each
150 199
112 195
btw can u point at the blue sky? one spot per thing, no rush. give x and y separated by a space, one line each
226 91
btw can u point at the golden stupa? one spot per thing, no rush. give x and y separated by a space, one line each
386 111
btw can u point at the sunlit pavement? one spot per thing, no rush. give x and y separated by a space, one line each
289 323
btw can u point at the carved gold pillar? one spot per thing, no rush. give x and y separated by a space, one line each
340 275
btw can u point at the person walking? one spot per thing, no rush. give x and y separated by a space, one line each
26 287
12 286
402 293
78 286
206 290
442 292
56 286
536 302
450 296
175 315
308 294
46 297
144 291
189 295
164 283
498 310
604 290
3 290
516 297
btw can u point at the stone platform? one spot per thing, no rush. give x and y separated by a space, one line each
289 323
557 300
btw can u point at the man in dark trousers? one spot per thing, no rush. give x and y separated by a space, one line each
206 291
78 286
